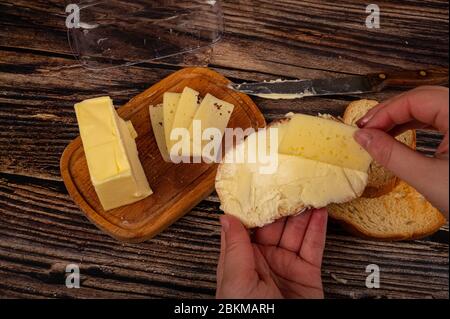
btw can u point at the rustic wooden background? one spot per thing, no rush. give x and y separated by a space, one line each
41 230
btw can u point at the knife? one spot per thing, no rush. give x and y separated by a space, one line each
293 89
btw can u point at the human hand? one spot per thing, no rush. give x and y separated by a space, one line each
282 261
422 108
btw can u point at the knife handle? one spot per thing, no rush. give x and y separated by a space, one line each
408 79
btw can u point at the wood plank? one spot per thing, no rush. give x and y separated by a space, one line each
282 38
35 218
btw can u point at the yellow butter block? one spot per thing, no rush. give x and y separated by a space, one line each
111 154
325 141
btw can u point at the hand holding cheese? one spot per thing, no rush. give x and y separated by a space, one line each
423 107
111 154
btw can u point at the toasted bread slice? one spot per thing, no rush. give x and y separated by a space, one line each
402 214
381 181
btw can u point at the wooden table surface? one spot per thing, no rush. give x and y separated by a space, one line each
41 230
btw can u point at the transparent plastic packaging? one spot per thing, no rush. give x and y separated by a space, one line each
114 33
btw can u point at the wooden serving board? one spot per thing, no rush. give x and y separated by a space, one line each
177 187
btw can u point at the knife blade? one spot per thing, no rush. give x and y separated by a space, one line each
292 89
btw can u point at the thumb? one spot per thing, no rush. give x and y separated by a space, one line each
427 175
238 250
390 153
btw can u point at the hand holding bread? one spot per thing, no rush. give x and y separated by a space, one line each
281 260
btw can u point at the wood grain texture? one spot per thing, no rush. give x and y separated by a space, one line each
41 230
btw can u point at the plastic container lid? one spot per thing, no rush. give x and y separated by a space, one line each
116 32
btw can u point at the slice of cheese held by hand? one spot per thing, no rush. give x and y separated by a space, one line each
111 154
325 141
297 184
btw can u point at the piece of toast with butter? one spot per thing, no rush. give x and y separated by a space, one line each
319 163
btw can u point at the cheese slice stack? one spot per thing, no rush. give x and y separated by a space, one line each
111 154
188 111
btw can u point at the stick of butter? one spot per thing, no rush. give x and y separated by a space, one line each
111 154
325 141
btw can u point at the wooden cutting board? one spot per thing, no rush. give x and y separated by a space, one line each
177 187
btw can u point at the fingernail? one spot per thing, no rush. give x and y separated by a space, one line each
225 223
362 122
366 118
363 138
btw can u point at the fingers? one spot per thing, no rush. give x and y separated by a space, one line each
363 121
428 105
442 151
221 260
413 125
428 175
392 154
314 240
294 231
238 251
261 266
270 235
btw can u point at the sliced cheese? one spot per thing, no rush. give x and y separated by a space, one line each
111 154
131 129
157 119
212 113
170 105
297 184
325 141
186 109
